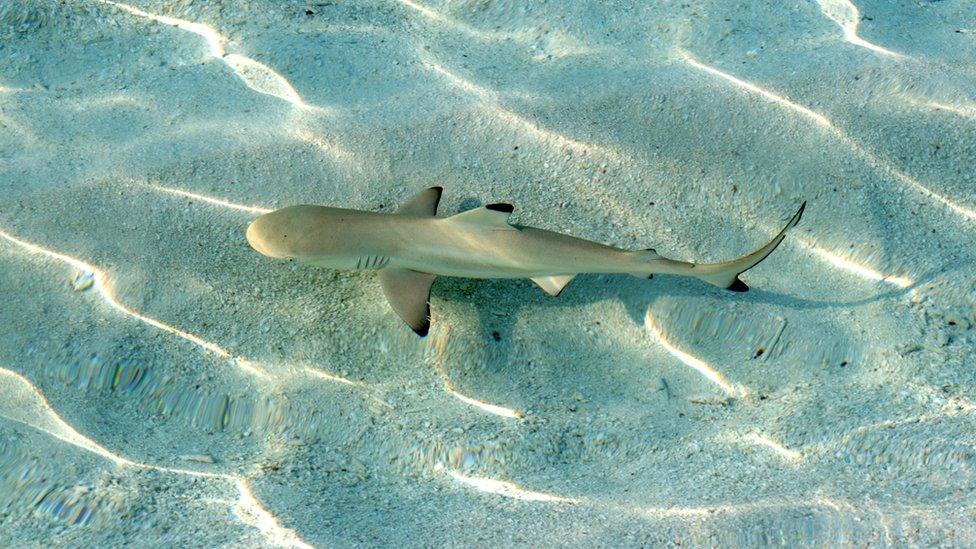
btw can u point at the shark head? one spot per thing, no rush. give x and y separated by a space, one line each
289 233
303 233
268 235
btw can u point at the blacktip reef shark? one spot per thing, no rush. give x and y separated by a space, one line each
412 246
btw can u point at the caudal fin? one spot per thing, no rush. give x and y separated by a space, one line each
726 275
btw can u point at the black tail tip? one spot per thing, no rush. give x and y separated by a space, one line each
799 213
738 286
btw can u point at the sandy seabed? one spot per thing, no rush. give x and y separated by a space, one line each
163 385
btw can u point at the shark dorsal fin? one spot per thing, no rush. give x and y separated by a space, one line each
553 285
492 216
409 294
422 204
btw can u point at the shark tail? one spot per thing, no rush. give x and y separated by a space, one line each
726 275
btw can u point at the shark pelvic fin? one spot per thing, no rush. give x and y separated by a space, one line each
422 204
492 216
553 285
409 294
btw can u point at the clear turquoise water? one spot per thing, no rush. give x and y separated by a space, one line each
162 384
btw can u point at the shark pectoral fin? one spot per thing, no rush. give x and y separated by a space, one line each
409 294
423 203
553 285
492 216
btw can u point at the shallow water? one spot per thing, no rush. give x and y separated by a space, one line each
161 383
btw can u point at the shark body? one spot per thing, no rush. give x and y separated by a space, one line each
411 247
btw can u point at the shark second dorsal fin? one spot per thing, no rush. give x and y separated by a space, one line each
492 216
409 294
422 204
553 285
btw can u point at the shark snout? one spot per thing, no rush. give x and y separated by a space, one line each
253 237
265 235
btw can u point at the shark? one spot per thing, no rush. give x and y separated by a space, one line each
412 246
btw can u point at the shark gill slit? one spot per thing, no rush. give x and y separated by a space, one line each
367 262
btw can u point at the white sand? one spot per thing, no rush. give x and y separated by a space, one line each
624 412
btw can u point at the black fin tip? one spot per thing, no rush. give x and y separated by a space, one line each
738 286
501 207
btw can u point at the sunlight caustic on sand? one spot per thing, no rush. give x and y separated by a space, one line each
256 75
556 142
742 508
436 347
330 377
427 12
951 407
215 42
7 89
816 117
481 92
208 199
262 79
490 408
111 101
103 285
853 266
489 100
29 407
965 110
250 510
695 363
822 121
370 391
503 488
848 17
304 370
514 491
11 126
331 147
910 181
779 449
554 42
